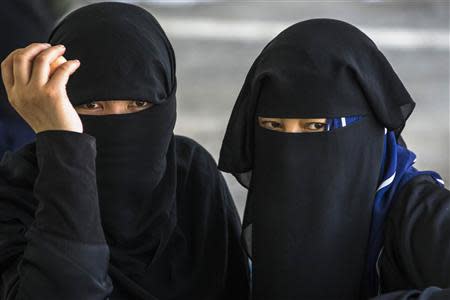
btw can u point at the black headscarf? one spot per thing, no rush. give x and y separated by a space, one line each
156 238
309 206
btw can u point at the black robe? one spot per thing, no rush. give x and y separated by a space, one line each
53 251
307 221
415 262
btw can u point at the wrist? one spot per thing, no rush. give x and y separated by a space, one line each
58 129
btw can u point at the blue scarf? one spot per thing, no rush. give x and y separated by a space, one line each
396 170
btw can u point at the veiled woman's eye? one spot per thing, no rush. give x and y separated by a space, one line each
316 126
272 125
91 105
140 104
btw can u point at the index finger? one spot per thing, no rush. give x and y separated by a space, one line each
27 54
23 61
7 69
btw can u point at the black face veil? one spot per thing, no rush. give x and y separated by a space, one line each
125 55
309 206
167 215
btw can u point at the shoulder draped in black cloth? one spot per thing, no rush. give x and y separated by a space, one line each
310 195
125 210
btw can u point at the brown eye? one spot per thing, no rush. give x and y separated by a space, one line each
316 126
272 124
140 104
92 105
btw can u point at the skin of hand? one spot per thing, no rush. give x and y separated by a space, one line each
37 94
56 63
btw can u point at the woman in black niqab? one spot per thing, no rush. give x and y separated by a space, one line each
314 211
159 223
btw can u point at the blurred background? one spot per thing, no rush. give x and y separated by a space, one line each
216 42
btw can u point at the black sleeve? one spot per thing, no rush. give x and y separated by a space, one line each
415 263
238 279
62 254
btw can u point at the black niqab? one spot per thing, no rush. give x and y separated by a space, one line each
125 55
309 206
160 247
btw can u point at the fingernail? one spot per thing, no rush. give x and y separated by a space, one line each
61 46
77 61
47 45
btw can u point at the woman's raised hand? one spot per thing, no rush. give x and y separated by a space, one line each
37 91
